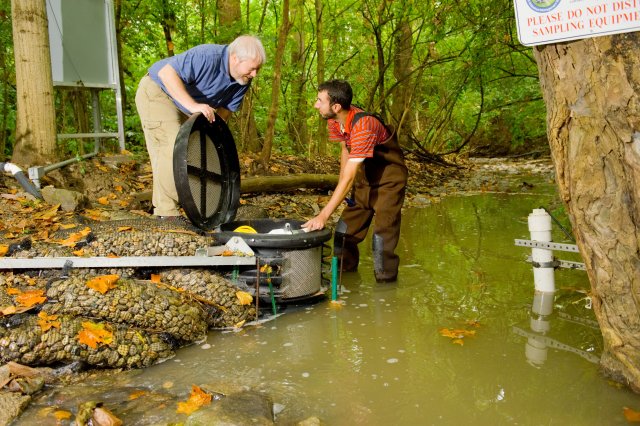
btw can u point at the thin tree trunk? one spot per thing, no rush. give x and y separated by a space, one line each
321 146
4 96
35 118
402 69
168 26
592 91
265 155
298 125
118 25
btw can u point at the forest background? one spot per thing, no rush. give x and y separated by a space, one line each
450 76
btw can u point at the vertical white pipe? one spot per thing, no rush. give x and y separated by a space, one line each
540 229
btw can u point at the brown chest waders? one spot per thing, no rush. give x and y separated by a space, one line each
379 190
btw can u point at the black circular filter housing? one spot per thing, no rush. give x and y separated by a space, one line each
206 171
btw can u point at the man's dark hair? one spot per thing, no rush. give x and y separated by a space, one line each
339 92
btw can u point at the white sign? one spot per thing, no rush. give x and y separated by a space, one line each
554 21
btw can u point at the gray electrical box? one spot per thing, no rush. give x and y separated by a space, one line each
82 43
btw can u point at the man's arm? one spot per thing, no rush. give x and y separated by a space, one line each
348 170
175 86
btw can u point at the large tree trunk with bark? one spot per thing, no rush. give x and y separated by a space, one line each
591 88
35 118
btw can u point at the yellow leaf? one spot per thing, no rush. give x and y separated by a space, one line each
62 415
46 321
31 298
103 283
266 269
103 201
68 225
75 237
94 335
244 298
458 342
11 291
197 399
49 214
8 310
3 249
112 196
632 416
155 278
78 252
124 228
240 324
112 256
118 188
137 394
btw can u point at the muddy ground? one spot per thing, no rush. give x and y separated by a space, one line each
114 187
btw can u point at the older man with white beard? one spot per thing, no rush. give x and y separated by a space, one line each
209 79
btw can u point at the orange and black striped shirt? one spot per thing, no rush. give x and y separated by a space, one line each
363 138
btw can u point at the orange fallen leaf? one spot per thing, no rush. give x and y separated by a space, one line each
197 399
155 278
48 214
123 203
75 237
78 253
103 200
118 188
112 255
3 250
124 228
31 298
8 310
62 415
137 394
103 283
244 298
67 225
94 335
632 416
46 321
11 291
112 196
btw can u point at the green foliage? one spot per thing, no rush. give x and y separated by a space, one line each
464 62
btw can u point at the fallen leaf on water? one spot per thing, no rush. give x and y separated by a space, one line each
46 321
137 394
244 298
632 416
94 335
31 298
103 283
197 399
62 415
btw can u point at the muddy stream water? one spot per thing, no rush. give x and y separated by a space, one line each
385 357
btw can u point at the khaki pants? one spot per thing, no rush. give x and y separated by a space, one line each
161 121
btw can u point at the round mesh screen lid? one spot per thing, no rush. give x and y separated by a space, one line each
206 171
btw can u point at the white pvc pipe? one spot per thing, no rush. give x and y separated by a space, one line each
540 229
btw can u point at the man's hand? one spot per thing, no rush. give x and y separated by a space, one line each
315 224
204 109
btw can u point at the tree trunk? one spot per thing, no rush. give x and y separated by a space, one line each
118 25
401 116
168 26
35 118
4 97
321 146
591 88
274 184
298 124
265 155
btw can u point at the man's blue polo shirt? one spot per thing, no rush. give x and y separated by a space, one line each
204 70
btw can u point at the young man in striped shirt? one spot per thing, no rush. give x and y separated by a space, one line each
373 164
